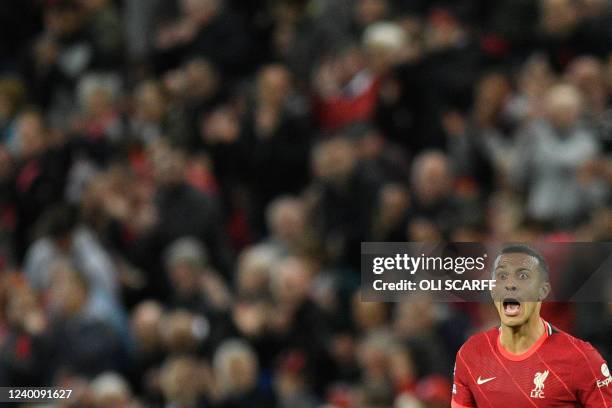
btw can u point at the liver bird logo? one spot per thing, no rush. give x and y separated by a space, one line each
538 381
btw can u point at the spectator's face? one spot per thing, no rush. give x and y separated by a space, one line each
443 31
288 385
493 90
180 381
563 106
423 230
374 360
30 132
291 282
201 79
145 324
243 372
519 288
254 265
394 202
252 277
168 165
150 103
558 17
587 75
250 317
21 303
220 126
180 332
343 349
288 221
66 293
184 277
351 63
535 78
432 178
98 101
63 21
368 315
370 11
334 161
236 369
274 85
370 146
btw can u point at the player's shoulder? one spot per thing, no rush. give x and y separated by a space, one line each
480 341
561 337
569 343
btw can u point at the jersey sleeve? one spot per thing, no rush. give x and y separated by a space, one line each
462 395
592 378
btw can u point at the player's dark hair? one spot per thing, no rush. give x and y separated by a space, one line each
524 249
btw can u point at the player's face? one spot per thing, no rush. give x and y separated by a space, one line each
519 288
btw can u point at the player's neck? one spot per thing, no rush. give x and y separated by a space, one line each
517 340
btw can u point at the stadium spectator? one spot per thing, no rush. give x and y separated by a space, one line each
110 389
181 382
552 150
236 372
194 286
342 198
435 198
84 339
286 221
39 178
63 238
148 352
204 27
23 350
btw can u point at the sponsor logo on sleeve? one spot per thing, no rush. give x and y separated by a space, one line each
607 378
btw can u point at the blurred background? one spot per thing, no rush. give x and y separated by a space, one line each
184 186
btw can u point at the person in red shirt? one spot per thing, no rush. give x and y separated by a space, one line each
526 362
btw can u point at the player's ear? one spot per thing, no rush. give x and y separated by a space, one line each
544 291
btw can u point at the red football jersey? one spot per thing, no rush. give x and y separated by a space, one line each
557 371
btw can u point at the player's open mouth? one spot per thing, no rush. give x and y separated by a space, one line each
512 307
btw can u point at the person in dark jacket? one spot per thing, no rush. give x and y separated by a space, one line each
181 211
40 176
82 338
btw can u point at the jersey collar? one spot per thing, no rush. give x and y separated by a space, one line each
531 350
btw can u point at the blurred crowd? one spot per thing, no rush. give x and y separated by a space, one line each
184 187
